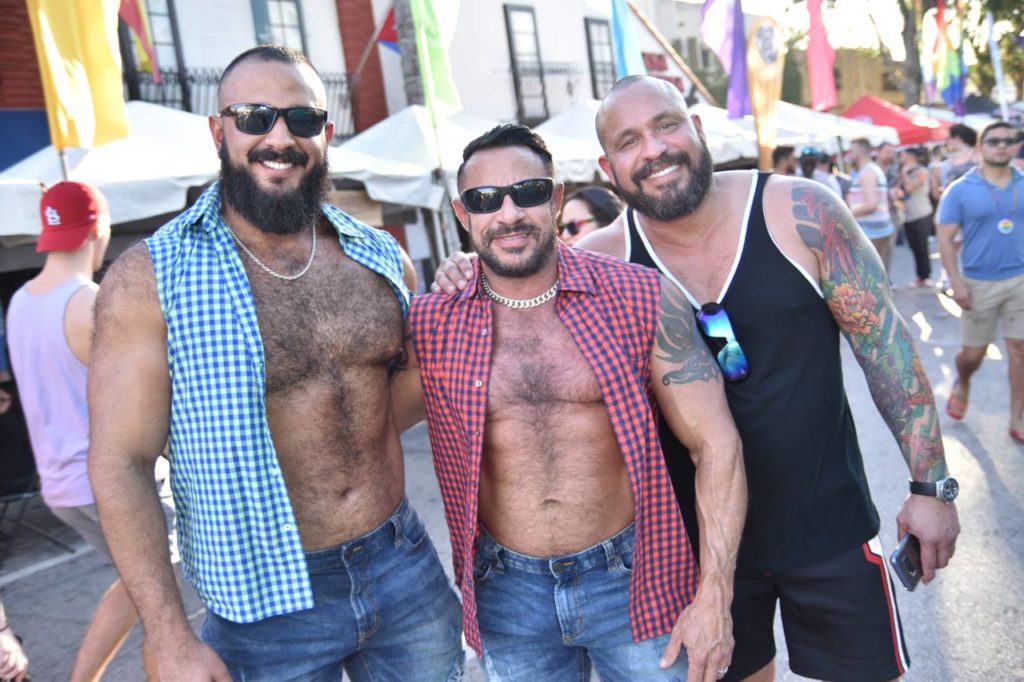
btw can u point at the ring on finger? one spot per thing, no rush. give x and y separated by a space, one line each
722 672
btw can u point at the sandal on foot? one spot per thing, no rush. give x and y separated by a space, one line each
1017 435
955 407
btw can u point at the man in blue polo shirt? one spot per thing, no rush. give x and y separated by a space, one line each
987 205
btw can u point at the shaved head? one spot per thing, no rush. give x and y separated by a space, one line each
270 54
631 85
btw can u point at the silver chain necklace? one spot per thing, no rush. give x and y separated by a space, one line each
287 278
518 303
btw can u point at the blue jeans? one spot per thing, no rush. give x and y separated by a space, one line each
553 618
385 611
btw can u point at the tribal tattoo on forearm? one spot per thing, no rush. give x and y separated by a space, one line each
857 291
678 342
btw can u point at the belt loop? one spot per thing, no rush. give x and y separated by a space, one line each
611 554
398 527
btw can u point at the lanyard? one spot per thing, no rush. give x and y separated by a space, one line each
1005 225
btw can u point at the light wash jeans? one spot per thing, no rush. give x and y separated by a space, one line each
554 618
385 612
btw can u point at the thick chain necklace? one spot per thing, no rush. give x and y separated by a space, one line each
287 278
518 303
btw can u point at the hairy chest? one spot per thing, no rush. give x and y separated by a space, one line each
340 316
535 363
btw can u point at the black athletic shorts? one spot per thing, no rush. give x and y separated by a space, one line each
839 616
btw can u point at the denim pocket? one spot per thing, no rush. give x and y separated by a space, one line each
414 533
623 563
483 567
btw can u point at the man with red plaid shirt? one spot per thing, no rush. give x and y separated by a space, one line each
539 383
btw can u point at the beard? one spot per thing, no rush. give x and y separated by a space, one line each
676 201
542 253
284 212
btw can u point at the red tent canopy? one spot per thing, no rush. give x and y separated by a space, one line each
912 128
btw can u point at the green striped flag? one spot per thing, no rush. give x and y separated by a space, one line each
435 26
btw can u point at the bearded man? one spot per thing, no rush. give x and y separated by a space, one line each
257 331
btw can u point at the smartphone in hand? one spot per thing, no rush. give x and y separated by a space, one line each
906 561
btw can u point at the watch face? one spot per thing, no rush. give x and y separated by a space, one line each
948 489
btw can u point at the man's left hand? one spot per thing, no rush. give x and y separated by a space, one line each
936 525
704 628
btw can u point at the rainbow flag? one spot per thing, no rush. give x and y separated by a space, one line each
947 73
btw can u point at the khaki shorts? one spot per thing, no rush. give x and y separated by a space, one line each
992 300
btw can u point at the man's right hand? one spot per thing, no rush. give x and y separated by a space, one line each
191 661
454 273
961 294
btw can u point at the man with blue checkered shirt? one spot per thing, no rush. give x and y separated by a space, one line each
257 332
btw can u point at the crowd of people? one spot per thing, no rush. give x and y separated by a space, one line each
633 395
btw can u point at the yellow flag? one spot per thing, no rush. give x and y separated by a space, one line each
766 54
77 47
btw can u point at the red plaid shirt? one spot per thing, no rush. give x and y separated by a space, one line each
611 310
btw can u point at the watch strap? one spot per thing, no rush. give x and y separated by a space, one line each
926 488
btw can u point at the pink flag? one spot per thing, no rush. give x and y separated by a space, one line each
820 58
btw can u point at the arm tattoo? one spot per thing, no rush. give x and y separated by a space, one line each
678 342
856 289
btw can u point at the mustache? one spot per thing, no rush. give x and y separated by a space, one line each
517 228
290 155
661 163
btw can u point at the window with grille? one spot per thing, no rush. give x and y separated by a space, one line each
602 60
527 67
284 24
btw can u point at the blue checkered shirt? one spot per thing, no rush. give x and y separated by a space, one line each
238 537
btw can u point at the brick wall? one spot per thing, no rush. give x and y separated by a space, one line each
358 25
20 87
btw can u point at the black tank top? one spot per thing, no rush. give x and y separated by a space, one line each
808 492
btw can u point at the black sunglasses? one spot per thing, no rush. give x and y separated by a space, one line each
525 193
1000 141
717 329
259 119
573 227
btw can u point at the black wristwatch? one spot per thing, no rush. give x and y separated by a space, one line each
945 489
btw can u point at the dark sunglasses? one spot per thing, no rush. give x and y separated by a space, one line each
573 227
717 329
1000 141
259 119
525 193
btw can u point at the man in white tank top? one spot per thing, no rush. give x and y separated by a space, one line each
50 337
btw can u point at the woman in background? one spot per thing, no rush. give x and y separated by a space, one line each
587 209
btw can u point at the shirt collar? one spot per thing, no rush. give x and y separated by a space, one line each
573 275
206 213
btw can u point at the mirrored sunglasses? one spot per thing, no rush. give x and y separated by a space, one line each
259 119
525 193
717 329
573 227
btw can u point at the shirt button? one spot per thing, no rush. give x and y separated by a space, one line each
483 332
478 383
288 527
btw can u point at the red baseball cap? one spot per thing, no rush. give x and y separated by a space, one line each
70 212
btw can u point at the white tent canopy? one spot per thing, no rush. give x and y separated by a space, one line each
396 158
824 128
143 175
726 140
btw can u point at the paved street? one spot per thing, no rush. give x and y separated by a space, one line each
965 626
